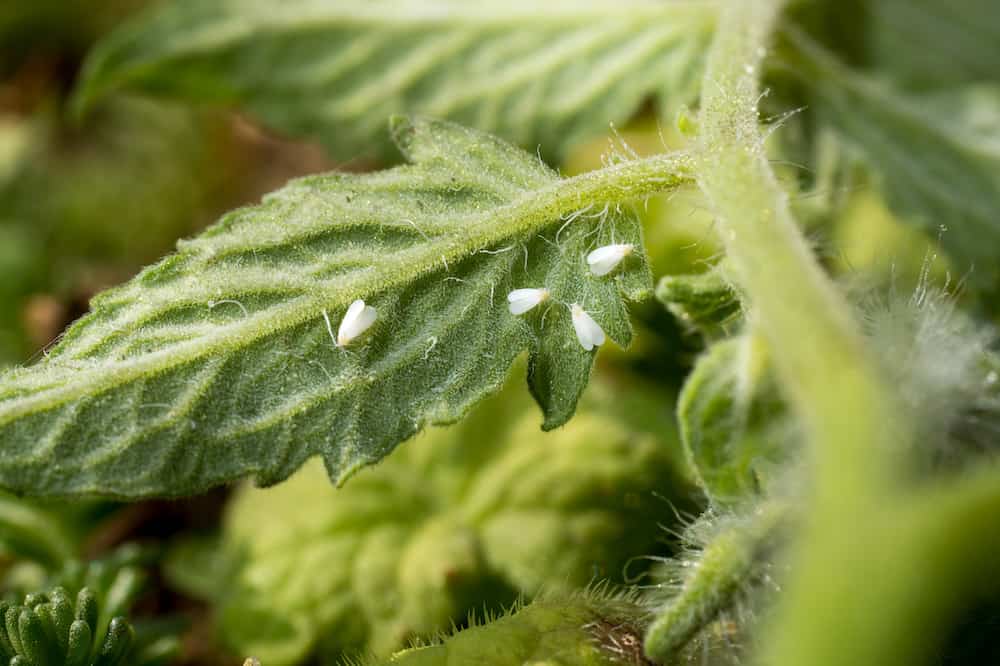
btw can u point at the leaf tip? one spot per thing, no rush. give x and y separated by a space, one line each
340 473
556 417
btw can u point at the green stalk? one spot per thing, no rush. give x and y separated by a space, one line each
829 377
818 350
892 591
880 570
724 568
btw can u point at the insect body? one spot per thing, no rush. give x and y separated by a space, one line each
604 259
358 319
588 332
522 300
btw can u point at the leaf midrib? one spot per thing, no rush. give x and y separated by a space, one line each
530 212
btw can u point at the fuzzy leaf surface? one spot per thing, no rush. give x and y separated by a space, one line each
559 630
705 301
538 74
731 418
217 362
460 518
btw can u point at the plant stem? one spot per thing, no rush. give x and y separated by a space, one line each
829 377
892 592
723 568
818 350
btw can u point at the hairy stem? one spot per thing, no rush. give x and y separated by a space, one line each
829 377
725 566
818 349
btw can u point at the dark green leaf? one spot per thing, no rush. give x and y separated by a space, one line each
218 362
79 642
116 644
933 43
704 301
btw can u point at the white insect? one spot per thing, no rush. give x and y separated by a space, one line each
588 332
358 319
522 300
604 259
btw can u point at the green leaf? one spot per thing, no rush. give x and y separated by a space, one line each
218 363
920 45
936 159
732 419
559 630
706 301
460 518
537 74
198 566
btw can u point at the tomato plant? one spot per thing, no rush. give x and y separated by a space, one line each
742 254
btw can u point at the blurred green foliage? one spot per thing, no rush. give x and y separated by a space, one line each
83 207
475 514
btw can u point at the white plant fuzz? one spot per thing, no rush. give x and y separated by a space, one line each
522 300
588 332
358 319
604 259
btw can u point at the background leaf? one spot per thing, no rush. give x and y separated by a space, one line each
33 533
53 29
537 74
216 363
460 518
74 218
920 44
936 158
